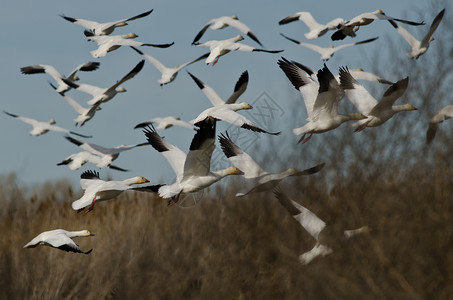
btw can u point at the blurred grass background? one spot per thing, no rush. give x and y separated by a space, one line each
247 248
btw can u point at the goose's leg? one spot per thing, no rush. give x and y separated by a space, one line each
174 199
302 138
361 127
90 208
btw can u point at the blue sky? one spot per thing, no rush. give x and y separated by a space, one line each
33 33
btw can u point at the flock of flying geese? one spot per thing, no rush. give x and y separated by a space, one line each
320 90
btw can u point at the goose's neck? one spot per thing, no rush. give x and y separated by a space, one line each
72 234
402 107
350 233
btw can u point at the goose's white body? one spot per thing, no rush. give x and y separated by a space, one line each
444 114
377 112
166 122
101 95
316 29
225 21
60 239
192 170
167 74
96 28
62 87
321 101
419 47
257 180
349 28
314 226
105 155
97 190
110 43
40 127
239 89
327 53
219 48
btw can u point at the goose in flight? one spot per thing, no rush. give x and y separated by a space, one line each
167 74
444 114
358 74
60 239
106 155
321 100
101 95
316 29
377 112
166 122
257 180
228 113
40 128
326 237
350 27
239 89
95 28
96 190
419 47
110 43
327 53
77 160
85 114
62 86
219 48
193 171
225 21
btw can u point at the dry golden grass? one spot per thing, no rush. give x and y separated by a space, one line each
238 248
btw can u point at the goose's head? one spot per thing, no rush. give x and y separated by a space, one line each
52 121
244 105
178 118
140 179
86 233
234 171
76 78
120 89
411 107
120 24
130 36
235 17
357 116
238 38
379 12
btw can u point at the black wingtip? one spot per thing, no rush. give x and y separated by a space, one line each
73 140
136 50
89 174
197 81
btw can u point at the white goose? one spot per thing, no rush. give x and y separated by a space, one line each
324 236
60 239
227 113
62 86
349 28
219 48
101 95
225 21
84 113
106 155
321 101
166 122
192 170
377 112
77 160
96 28
257 180
316 29
167 74
40 128
419 47
444 114
239 89
96 190
358 74
226 110
110 43
327 53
